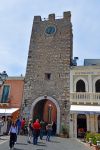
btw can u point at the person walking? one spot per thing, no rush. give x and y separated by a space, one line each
54 127
36 131
30 131
23 122
42 129
13 134
49 131
18 124
1 125
9 122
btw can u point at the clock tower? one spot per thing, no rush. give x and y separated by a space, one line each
47 80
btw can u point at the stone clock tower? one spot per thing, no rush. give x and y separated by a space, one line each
47 87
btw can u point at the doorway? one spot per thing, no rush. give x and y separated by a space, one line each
41 98
81 125
99 124
45 110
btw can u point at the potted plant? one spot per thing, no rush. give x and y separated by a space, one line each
95 140
64 130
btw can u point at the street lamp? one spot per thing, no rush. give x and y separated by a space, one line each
49 113
3 77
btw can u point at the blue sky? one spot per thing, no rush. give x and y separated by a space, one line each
16 18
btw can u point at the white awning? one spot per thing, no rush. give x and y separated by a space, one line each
7 111
85 109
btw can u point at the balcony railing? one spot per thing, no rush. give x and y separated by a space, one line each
85 97
4 103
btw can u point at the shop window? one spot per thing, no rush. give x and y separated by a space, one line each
80 86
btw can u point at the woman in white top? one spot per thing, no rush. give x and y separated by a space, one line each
13 134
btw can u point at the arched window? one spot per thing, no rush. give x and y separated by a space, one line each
97 86
80 86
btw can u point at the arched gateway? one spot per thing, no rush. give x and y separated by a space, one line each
57 107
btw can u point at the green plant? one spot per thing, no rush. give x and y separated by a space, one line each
64 129
95 137
89 135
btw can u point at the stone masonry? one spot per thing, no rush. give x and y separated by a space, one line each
50 55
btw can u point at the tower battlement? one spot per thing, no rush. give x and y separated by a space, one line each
52 17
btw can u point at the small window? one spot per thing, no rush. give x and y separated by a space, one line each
47 76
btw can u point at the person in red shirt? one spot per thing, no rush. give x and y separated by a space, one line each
36 131
23 125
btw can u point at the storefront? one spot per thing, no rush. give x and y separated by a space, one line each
84 118
5 114
7 111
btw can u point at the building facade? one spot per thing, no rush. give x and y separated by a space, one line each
85 99
47 79
11 94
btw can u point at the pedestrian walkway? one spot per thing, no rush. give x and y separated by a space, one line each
3 139
56 143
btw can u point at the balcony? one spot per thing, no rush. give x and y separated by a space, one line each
85 97
4 104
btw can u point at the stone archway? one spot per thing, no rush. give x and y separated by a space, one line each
56 104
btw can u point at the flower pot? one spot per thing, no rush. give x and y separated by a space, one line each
95 147
63 135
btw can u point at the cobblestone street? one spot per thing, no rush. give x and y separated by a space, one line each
56 143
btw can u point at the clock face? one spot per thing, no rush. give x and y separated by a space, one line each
50 30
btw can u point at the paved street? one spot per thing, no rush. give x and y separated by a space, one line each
55 144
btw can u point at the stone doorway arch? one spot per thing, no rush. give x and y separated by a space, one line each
52 100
